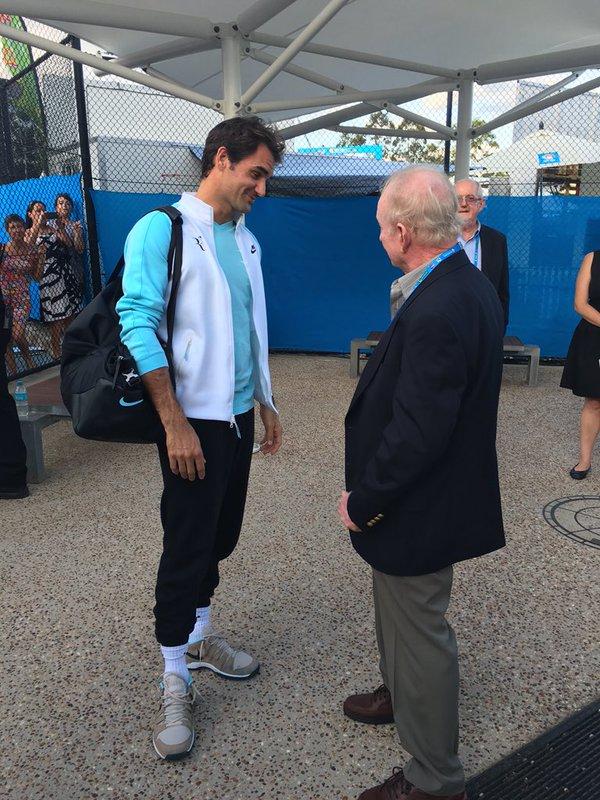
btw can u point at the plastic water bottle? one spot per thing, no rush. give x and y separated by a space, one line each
21 399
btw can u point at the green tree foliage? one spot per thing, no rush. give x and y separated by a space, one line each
414 151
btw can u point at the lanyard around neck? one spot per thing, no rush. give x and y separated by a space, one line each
437 260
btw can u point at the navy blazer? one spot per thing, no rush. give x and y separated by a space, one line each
421 429
494 263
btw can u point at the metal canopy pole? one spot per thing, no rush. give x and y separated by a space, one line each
299 72
92 12
336 86
261 12
447 142
293 48
232 74
163 52
463 128
86 175
390 132
446 131
114 69
335 100
355 55
550 90
361 109
543 64
533 108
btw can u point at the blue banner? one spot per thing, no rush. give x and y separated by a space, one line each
327 277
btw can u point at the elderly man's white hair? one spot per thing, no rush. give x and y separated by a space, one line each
423 199
476 191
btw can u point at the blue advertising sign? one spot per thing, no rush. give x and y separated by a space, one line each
548 159
375 150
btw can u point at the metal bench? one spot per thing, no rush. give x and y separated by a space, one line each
512 346
32 424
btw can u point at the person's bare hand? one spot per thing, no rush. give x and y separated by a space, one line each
343 513
271 441
186 458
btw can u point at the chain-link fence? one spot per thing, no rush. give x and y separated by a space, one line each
66 130
45 265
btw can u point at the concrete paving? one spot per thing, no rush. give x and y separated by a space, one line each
80 664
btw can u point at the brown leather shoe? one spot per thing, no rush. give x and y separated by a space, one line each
374 708
396 787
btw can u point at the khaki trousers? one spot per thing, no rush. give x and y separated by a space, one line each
419 666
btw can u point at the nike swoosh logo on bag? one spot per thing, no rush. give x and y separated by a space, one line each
123 402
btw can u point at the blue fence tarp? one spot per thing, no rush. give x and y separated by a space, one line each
327 277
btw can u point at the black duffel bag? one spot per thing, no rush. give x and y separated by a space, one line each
99 382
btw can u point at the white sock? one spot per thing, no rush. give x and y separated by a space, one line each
202 626
175 660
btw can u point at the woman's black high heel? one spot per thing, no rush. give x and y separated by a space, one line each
579 474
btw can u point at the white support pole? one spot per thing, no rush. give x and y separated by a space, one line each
261 12
355 55
92 12
320 101
232 75
447 133
543 64
324 121
335 86
360 110
163 52
550 90
394 133
311 30
463 128
533 108
299 72
113 69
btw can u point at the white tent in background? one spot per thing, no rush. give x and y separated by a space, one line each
540 149
347 58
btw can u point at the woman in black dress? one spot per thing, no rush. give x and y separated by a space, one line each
582 369
60 293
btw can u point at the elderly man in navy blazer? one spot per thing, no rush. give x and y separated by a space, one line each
486 247
422 475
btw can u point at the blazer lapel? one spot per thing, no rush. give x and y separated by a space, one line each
487 255
445 268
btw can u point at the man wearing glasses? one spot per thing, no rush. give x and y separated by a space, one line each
485 247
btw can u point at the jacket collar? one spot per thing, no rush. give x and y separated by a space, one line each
447 267
201 211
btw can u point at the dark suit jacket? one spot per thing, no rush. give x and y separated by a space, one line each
421 429
494 263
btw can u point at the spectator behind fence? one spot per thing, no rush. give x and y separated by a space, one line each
581 373
63 205
60 292
19 263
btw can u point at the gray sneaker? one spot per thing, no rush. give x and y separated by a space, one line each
214 653
173 735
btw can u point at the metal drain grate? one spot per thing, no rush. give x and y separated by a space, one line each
578 518
562 763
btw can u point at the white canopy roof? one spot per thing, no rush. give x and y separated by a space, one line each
330 53
543 148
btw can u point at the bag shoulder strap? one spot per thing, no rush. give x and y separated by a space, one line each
174 260
175 217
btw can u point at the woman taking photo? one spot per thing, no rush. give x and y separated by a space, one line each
19 264
60 292
582 368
